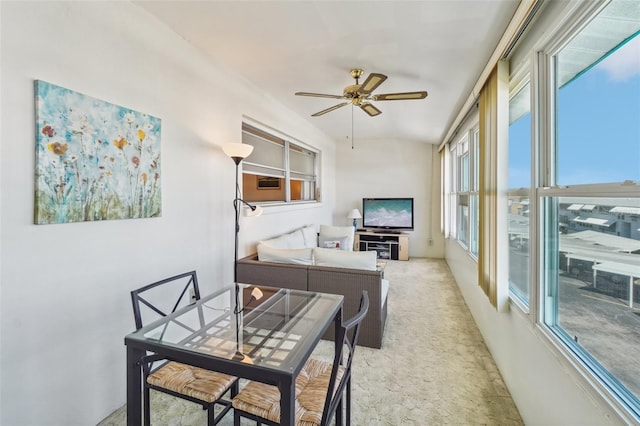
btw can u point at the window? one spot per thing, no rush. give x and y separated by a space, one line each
453 179
519 186
463 199
568 197
474 218
463 190
278 170
590 173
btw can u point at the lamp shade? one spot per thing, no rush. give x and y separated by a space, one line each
237 150
256 294
355 214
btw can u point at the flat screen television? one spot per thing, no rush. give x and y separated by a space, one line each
387 214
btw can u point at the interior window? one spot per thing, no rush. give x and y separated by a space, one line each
277 170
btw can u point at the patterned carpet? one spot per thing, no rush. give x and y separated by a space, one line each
433 368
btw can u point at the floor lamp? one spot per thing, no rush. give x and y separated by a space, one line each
238 152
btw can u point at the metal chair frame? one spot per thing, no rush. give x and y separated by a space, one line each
185 297
348 335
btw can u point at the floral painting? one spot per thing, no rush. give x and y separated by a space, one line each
94 160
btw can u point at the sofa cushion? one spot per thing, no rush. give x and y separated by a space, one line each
292 240
334 243
344 259
302 256
384 291
310 236
338 232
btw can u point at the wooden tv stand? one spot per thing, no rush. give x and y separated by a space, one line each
389 246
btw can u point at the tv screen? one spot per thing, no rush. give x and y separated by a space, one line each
387 213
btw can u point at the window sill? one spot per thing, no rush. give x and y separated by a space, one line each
279 207
584 374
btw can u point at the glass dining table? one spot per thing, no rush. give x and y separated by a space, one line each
268 341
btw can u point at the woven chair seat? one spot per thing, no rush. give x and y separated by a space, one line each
194 382
311 390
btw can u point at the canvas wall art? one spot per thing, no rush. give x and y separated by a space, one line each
94 160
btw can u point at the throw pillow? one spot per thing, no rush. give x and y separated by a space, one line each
303 256
334 243
310 236
344 259
338 232
293 240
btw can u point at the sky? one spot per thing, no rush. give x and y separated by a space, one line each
598 125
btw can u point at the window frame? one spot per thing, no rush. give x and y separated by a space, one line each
463 161
459 188
288 144
474 190
544 187
453 185
561 23
518 81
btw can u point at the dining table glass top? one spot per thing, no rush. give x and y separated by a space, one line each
275 329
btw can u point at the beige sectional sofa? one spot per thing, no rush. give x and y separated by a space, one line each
323 270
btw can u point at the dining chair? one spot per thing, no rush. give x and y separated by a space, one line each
194 384
320 385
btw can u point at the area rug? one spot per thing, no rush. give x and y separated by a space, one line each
433 368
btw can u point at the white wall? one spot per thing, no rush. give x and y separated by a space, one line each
389 168
546 391
64 289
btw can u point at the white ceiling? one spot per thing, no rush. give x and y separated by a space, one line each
287 46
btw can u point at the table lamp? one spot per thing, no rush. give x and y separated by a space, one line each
355 215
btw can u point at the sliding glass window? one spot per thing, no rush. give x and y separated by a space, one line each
453 194
589 199
474 217
463 190
278 170
519 188
463 199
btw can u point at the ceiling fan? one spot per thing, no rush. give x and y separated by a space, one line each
361 94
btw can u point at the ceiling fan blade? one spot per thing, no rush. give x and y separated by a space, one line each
319 95
371 83
400 96
370 109
324 111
